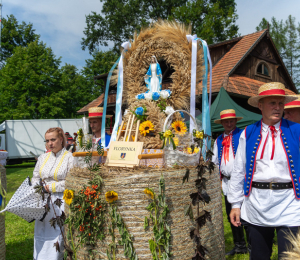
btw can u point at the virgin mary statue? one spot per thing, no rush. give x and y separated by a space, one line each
153 78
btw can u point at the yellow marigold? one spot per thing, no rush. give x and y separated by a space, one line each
179 127
68 196
111 196
176 141
146 127
196 150
199 134
149 193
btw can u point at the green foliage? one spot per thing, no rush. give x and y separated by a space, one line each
286 37
160 243
212 20
13 35
87 213
162 104
126 239
100 63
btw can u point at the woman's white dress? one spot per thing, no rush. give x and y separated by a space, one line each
154 85
53 170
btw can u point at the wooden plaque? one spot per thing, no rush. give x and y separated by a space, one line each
124 154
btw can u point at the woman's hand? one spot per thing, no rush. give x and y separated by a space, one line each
47 188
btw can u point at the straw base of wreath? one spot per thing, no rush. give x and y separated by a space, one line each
130 184
2 217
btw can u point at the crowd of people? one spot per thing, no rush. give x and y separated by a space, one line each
259 169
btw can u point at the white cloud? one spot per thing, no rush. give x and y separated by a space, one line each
60 24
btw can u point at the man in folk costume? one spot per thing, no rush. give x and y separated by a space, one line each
292 110
95 120
264 187
224 152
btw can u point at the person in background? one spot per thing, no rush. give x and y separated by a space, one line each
67 134
52 168
70 144
264 187
292 110
224 152
95 120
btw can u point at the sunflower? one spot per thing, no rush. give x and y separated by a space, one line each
179 127
146 127
68 196
111 196
149 193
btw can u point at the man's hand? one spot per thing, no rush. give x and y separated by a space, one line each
235 215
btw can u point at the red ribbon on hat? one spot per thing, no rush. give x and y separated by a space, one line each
226 145
293 103
272 92
227 115
95 114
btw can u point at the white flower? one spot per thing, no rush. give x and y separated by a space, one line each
164 94
126 112
169 110
148 96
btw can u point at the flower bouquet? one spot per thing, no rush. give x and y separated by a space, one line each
179 146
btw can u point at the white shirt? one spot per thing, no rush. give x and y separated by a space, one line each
264 207
225 169
53 169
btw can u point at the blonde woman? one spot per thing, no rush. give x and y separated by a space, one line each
52 168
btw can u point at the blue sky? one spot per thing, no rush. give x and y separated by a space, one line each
61 22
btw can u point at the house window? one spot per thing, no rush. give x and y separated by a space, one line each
262 68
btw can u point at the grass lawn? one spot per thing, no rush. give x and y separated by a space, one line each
19 234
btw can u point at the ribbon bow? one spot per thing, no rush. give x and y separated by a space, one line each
226 145
273 132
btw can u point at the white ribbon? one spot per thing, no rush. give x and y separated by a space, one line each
118 115
193 38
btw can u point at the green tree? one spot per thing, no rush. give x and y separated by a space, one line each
277 31
14 34
100 63
291 55
212 20
29 84
286 37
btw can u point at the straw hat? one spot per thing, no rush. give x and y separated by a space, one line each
97 112
272 89
227 114
293 104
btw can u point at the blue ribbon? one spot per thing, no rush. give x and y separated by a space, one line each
105 103
205 105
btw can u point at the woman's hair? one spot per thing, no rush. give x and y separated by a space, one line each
60 133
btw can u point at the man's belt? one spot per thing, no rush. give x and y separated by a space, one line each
272 185
226 177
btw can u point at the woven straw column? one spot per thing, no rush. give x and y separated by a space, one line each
130 184
2 217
